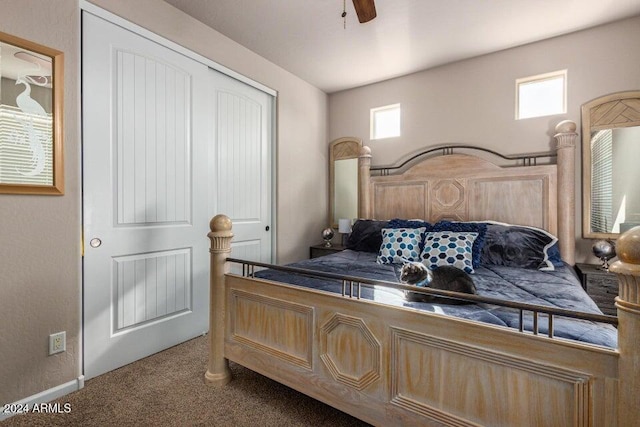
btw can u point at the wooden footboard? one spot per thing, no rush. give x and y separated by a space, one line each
390 366
398 366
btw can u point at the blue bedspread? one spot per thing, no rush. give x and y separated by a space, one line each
560 288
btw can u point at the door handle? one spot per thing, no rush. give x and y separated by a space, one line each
266 228
95 242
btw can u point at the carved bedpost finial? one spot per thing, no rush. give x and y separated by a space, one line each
566 137
627 268
220 223
566 126
364 178
218 372
628 251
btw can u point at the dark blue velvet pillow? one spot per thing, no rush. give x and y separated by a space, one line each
409 223
366 235
466 227
554 255
520 246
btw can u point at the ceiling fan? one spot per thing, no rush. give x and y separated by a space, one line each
365 9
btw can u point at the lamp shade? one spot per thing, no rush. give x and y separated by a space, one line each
344 225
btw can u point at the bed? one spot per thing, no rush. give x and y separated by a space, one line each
558 288
353 342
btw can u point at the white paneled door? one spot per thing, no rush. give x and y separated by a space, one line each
151 172
242 127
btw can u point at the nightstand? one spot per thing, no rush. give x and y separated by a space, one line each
602 286
316 251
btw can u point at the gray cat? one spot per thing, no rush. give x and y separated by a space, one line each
446 278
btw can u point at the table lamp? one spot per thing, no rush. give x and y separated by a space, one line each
344 228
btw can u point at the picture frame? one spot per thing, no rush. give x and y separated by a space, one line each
31 118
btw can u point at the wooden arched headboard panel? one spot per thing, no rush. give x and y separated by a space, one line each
465 187
462 187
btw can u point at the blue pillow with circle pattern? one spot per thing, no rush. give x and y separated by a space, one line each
466 227
449 248
400 245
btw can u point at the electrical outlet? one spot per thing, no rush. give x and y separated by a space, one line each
57 342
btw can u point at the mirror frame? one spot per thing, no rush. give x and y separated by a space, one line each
603 113
340 149
57 78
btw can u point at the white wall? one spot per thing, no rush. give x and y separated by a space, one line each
473 101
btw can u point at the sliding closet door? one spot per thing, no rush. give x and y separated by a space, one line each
167 144
242 127
146 142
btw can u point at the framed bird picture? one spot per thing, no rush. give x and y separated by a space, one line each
31 87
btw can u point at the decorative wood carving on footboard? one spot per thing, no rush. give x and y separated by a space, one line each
396 366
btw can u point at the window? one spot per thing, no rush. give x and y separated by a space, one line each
541 95
385 122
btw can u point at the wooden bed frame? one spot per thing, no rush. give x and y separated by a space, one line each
396 366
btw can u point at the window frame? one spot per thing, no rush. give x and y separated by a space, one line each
372 121
538 78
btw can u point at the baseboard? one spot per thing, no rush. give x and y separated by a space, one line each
42 397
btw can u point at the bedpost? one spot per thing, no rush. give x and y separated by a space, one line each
627 268
364 180
218 372
566 137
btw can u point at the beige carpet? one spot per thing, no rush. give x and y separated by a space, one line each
167 389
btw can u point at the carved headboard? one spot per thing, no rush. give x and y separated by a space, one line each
462 187
465 187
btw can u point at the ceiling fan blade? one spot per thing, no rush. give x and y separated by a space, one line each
365 9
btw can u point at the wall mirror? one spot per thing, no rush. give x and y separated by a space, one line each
343 179
610 172
31 79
